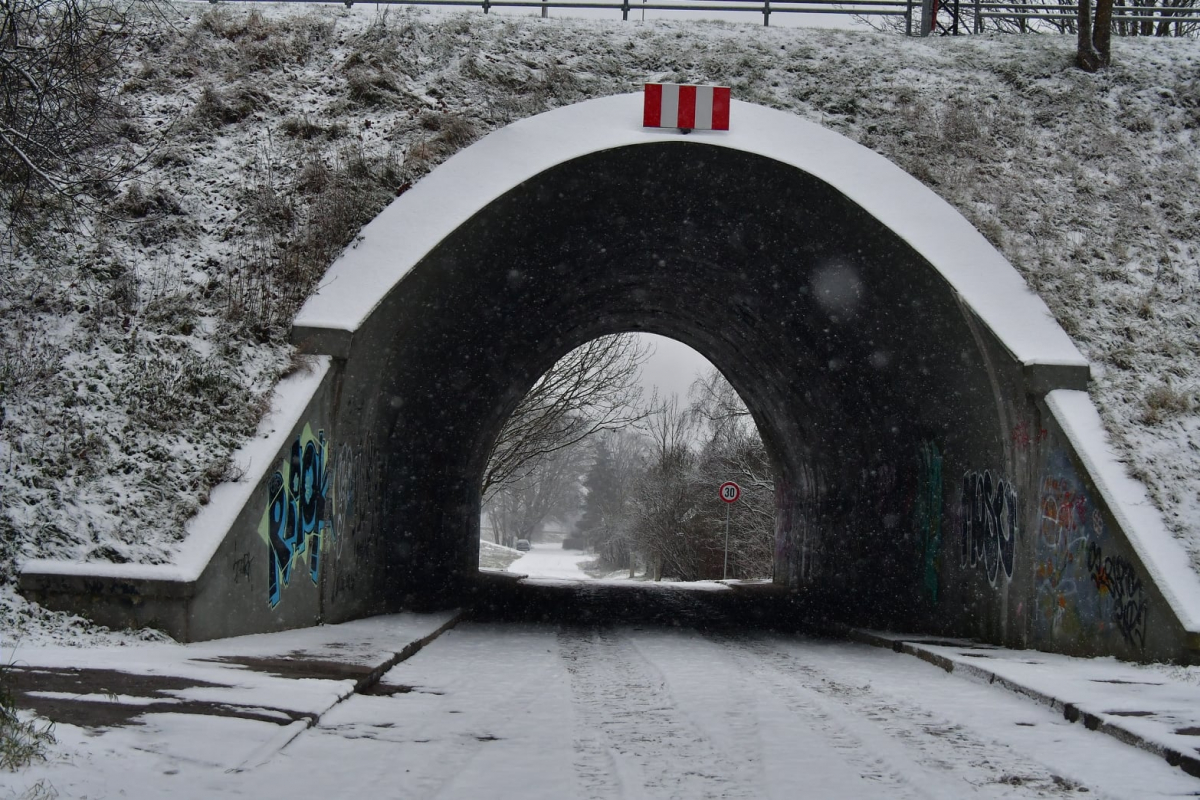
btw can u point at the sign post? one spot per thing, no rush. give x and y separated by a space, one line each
729 494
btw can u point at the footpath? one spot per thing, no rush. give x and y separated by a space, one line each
1142 706
228 703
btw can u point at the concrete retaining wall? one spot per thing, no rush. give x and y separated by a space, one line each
260 555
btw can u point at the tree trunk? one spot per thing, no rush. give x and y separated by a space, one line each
1102 35
1086 57
1094 50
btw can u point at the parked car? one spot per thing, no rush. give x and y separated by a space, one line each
523 545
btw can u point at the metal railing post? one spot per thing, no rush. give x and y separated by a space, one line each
766 12
908 15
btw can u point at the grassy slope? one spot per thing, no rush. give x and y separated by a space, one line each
136 355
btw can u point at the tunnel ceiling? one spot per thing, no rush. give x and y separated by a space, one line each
846 341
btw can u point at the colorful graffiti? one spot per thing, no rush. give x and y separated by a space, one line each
1061 545
295 525
1080 592
989 520
927 515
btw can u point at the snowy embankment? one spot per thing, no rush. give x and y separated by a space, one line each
137 353
496 556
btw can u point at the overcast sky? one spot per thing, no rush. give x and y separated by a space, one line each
672 368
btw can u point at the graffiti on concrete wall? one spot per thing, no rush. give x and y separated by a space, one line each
1081 589
357 491
242 568
1060 547
296 524
1024 436
988 518
1118 584
927 515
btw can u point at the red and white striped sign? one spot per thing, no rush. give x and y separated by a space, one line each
701 108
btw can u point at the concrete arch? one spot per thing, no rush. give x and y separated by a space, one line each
857 313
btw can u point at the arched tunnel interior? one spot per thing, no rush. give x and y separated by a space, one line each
854 355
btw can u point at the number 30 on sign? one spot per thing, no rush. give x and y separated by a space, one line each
730 492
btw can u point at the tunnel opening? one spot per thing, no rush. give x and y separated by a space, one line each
610 468
861 367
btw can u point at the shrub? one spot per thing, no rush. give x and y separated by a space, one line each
1164 401
216 108
21 742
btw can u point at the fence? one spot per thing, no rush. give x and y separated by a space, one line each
1143 20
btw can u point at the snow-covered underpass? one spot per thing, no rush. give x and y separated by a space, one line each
493 710
989 122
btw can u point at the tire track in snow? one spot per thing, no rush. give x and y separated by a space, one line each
632 739
875 765
936 756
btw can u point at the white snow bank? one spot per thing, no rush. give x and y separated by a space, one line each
206 530
418 220
1161 554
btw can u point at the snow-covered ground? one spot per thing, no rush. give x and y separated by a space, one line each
524 711
496 556
550 560
137 353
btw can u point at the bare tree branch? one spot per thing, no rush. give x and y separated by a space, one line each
594 388
59 109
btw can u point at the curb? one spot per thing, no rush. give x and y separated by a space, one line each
1070 711
288 734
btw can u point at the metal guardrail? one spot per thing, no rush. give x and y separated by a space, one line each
1057 13
860 8
913 11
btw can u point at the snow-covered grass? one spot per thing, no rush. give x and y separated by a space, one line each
496 556
137 352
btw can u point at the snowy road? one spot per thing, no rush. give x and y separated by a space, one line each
563 711
550 560
517 711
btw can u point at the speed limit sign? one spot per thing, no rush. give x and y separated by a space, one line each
730 492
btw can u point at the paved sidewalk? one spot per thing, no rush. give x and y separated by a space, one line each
1144 706
229 703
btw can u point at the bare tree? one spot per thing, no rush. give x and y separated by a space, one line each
550 490
716 405
740 458
59 114
593 388
670 429
734 451
1093 25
